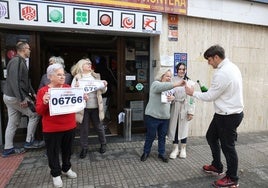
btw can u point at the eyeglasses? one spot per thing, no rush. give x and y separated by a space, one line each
60 75
28 48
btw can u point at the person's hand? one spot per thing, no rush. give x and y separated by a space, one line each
46 98
170 98
86 97
105 83
189 117
180 83
24 103
189 90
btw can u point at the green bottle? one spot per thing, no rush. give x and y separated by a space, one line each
202 87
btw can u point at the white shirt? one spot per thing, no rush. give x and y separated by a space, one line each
226 89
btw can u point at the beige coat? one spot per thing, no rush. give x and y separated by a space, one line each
80 115
180 108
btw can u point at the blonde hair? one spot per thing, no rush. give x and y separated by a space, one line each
161 72
77 69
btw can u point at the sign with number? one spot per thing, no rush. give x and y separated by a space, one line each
66 100
91 85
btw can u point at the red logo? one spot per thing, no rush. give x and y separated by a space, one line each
28 13
127 22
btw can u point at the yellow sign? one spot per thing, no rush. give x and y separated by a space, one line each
166 6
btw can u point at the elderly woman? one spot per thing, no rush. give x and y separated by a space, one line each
157 113
83 72
58 130
53 59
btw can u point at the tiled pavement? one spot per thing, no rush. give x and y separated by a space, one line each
120 166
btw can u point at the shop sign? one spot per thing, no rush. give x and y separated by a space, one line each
165 6
77 17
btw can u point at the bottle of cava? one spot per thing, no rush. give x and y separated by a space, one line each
202 87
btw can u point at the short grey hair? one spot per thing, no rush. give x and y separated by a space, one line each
52 69
161 72
58 60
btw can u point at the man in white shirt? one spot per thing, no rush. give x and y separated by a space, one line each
226 92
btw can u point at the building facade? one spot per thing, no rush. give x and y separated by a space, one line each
134 39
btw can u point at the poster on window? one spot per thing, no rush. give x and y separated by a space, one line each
179 58
137 110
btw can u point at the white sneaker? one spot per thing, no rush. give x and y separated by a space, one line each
57 181
70 174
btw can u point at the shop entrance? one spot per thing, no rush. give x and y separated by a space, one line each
102 51
126 59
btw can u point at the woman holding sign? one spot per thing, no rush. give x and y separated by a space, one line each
58 130
85 77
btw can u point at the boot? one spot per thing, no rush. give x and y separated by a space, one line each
183 151
175 152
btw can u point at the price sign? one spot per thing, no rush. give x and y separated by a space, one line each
91 85
66 100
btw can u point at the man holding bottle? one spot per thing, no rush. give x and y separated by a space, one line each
226 92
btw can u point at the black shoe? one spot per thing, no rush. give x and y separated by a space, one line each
163 158
83 153
103 148
144 157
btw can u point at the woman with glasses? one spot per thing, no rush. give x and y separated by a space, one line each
59 130
83 73
182 111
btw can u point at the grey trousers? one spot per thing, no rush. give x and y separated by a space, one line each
15 111
91 115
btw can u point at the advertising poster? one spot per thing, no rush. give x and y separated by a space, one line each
179 58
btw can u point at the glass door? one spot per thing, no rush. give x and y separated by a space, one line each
136 66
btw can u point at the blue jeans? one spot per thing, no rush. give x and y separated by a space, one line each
155 126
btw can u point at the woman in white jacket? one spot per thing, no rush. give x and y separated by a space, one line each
182 111
83 73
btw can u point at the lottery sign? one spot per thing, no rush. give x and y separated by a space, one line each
66 100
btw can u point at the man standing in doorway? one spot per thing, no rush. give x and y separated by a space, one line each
227 94
16 97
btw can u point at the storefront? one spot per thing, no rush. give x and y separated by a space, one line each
120 40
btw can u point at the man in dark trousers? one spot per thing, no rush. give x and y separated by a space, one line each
226 92
17 93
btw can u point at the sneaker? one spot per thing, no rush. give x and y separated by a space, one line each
70 174
12 151
212 170
34 144
57 181
225 182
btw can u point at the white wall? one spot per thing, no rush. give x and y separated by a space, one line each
241 11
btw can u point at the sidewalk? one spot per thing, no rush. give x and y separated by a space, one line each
120 166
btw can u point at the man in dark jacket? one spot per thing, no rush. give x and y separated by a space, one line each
17 94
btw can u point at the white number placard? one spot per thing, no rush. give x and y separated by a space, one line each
91 85
66 100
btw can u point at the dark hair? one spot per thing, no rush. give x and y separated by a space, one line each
177 68
215 50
